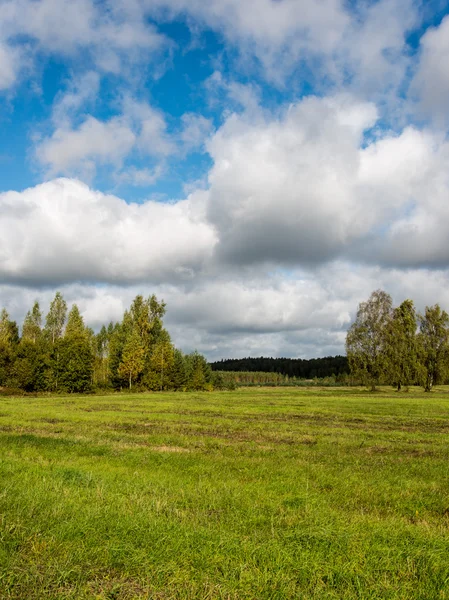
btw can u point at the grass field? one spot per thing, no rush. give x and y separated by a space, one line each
262 493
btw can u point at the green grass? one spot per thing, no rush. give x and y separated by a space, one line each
270 493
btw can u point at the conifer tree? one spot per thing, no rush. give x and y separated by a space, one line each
32 325
75 354
75 324
199 372
28 369
178 372
117 337
74 364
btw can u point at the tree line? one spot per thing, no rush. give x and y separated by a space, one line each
397 345
292 367
233 379
61 354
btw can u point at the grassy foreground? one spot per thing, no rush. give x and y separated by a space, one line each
267 493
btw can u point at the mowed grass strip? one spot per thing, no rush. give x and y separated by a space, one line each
267 493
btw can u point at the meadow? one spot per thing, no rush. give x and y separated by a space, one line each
270 493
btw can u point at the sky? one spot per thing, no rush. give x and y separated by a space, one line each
262 166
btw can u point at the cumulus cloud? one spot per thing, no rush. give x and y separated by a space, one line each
300 188
62 231
431 82
277 33
80 150
283 190
408 177
306 208
373 55
309 186
113 37
363 44
305 315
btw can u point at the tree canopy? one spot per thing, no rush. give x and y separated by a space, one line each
66 356
397 346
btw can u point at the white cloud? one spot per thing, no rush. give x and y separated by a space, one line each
408 177
139 177
268 28
81 91
80 150
114 39
65 26
278 184
236 95
9 66
299 189
306 187
431 82
77 149
304 315
151 128
195 131
373 51
307 208
62 231
363 45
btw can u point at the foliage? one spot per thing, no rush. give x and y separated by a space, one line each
56 317
75 327
67 356
75 365
132 362
32 325
402 345
367 342
28 368
291 367
385 344
433 346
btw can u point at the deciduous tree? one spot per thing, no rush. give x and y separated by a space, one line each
55 321
366 341
433 346
132 362
402 347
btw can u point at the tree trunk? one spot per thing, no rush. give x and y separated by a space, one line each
399 386
130 381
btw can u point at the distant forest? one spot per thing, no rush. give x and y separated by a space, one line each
293 367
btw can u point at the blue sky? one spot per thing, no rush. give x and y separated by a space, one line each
261 165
